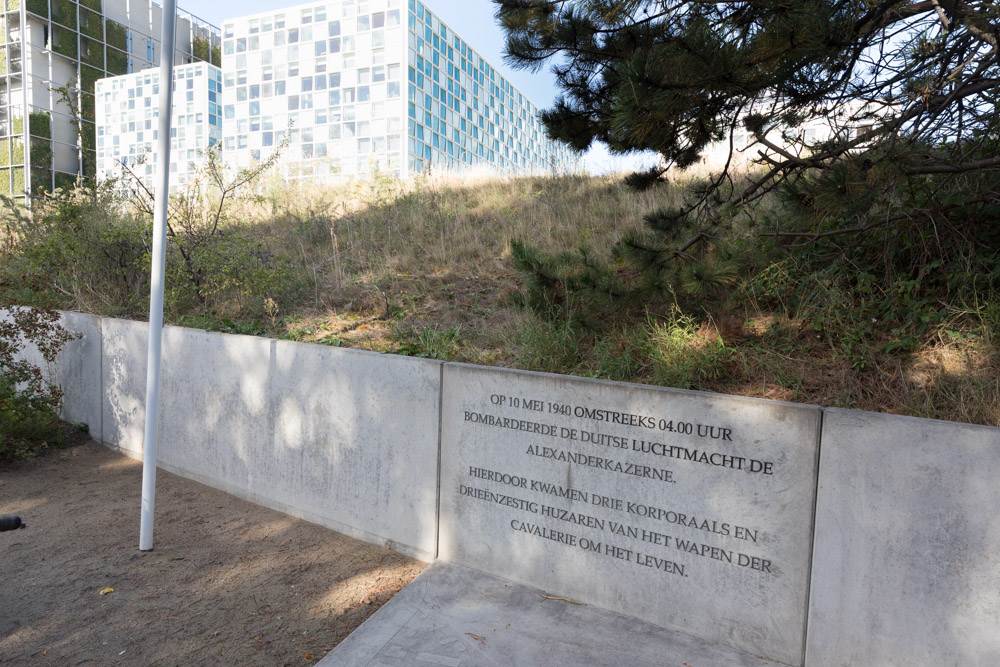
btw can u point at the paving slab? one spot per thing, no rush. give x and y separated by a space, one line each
456 616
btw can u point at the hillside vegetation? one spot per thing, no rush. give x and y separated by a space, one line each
517 273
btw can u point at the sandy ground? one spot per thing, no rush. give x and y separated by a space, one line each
227 581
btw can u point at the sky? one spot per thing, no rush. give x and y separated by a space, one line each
473 21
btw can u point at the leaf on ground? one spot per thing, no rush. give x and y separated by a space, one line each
176 558
552 597
478 638
105 591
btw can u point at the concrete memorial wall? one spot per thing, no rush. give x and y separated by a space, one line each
690 510
907 558
344 438
79 372
805 536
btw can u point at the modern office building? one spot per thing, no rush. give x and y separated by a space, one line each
52 52
360 85
128 109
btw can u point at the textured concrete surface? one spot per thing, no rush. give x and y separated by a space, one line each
123 369
357 437
451 615
79 372
706 528
344 438
907 556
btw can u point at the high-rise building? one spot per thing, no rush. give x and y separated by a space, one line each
52 52
128 108
358 85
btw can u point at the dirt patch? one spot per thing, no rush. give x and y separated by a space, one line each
227 582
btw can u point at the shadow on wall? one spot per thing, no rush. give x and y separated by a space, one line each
345 438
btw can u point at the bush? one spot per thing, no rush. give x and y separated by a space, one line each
77 244
29 403
90 249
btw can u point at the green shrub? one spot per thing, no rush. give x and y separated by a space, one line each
64 12
430 343
40 124
64 42
116 34
65 181
92 53
200 48
40 7
680 359
89 77
29 403
117 62
93 26
79 242
11 152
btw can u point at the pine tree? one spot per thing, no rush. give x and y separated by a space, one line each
910 87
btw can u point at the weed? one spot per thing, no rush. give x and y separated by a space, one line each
432 344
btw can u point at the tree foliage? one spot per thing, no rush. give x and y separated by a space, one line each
909 89
29 403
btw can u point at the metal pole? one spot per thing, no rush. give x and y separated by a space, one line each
156 278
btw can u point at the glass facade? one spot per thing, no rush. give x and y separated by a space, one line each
352 89
461 111
326 78
52 52
128 112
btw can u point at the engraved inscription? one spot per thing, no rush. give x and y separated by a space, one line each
640 531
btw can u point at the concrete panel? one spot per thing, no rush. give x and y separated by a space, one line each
123 367
907 553
355 438
214 408
79 373
451 615
688 510
343 438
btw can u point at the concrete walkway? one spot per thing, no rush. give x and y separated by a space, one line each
454 616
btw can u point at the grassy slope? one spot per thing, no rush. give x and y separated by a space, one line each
424 268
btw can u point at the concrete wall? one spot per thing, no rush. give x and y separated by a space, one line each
689 510
907 557
343 438
871 539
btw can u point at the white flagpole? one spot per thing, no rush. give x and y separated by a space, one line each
162 195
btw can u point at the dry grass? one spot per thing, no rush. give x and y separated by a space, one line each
423 267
